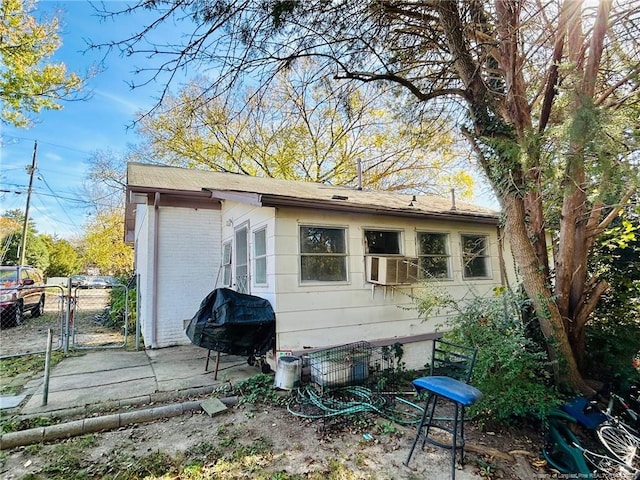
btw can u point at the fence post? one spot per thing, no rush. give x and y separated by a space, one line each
47 368
67 317
137 311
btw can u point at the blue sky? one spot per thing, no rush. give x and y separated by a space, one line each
68 137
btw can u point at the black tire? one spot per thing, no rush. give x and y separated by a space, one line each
18 314
265 367
38 310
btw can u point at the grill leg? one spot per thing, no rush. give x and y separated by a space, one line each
206 365
215 375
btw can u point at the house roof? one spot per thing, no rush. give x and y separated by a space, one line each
261 191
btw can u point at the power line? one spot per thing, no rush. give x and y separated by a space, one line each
41 177
27 139
45 216
56 195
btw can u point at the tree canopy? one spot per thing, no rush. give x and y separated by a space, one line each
64 259
104 248
29 81
546 94
37 253
307 127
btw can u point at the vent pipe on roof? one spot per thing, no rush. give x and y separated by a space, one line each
359 174
453 199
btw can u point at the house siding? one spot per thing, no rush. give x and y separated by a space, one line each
325 314
178 254
308 315
235 215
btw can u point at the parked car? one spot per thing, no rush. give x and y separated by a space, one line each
21 290
78 280
111 281
97 282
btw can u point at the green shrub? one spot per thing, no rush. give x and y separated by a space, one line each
119 299
511 370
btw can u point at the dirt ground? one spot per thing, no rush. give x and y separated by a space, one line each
296 446
31 336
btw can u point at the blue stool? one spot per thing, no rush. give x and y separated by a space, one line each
457 361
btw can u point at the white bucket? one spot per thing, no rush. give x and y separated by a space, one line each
288 371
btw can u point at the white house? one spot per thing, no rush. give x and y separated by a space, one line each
338 264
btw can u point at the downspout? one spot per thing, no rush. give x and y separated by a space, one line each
154 283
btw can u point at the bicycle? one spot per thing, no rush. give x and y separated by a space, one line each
564 452
610 468
619 438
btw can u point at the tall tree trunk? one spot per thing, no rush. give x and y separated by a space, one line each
534 282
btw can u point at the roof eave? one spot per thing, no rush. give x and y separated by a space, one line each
454 215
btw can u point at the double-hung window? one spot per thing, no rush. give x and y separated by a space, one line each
475 256
242 259
323 254
260 256
226 264
434 259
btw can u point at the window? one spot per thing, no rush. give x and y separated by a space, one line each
226 264
260 256
475 256
433 255
242 260
382 242
323 254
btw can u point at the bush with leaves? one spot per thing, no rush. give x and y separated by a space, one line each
511 370
122 301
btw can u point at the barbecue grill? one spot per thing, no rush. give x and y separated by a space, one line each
236 324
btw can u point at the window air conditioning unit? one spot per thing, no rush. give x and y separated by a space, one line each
391 270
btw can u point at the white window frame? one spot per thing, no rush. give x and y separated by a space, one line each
259 258
227 259
485 256
447 255
344 255
242 280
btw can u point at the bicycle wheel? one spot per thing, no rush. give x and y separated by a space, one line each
610 468
621 444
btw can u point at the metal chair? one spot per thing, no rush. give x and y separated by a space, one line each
449 373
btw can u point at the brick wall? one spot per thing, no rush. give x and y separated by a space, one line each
189 250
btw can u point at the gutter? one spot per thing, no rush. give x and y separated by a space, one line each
154 278
270 200
454 215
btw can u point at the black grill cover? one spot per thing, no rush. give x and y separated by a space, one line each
234 323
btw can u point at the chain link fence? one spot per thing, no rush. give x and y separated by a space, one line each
25 330
93 322
79 318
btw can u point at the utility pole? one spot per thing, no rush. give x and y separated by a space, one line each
23 243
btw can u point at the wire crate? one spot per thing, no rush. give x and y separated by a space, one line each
351 364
